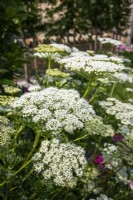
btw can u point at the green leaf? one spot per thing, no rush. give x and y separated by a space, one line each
10 12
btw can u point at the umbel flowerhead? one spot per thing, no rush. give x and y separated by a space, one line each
85 65
123 112
63 163
6 131
52 52
54 110
53 49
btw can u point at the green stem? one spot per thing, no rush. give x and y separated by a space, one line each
16 136
49 62
27 161
92 79
87 90
33 196
61 66
81 138
2 184
93 97
27 175
22 167
37 138
112 90
49 67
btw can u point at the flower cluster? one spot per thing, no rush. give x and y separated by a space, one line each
102 197
52 51
92 64
5 131
129 89
56 109
124 47
61 47
96 127
56 72
111 156
11 90
101 57
34 88
117 77
63 163
123 77
7 100
127 132
121 111
109 41
51 48
122 175
53 56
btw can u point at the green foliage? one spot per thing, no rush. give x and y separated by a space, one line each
83 17
17 19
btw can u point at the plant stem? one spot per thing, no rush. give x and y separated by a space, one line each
1 184
93 97
87 90
112 90
37 138
49 67
33 196
22 167
81 138
27 175
16 136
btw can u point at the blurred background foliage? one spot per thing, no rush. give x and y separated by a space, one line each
20 20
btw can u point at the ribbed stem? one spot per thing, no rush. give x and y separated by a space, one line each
17 135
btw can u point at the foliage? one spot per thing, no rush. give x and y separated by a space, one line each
18 20
85 17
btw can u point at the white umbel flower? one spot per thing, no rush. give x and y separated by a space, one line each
63 163
54 56
61 47
6 131
123 77
121 111
55 109
92 64
107 40
34 88
102 197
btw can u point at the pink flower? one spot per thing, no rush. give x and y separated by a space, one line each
118 137
131 184
99 160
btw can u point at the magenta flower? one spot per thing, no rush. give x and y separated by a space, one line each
118 137
131 184
99 160
124 48
121 47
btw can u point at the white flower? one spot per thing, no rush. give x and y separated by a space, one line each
123 77
62 47
127 132
121 111
54 109
96 127
63 163
129 89
54 56
109 41
6 131
82 62
102 197
34 88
